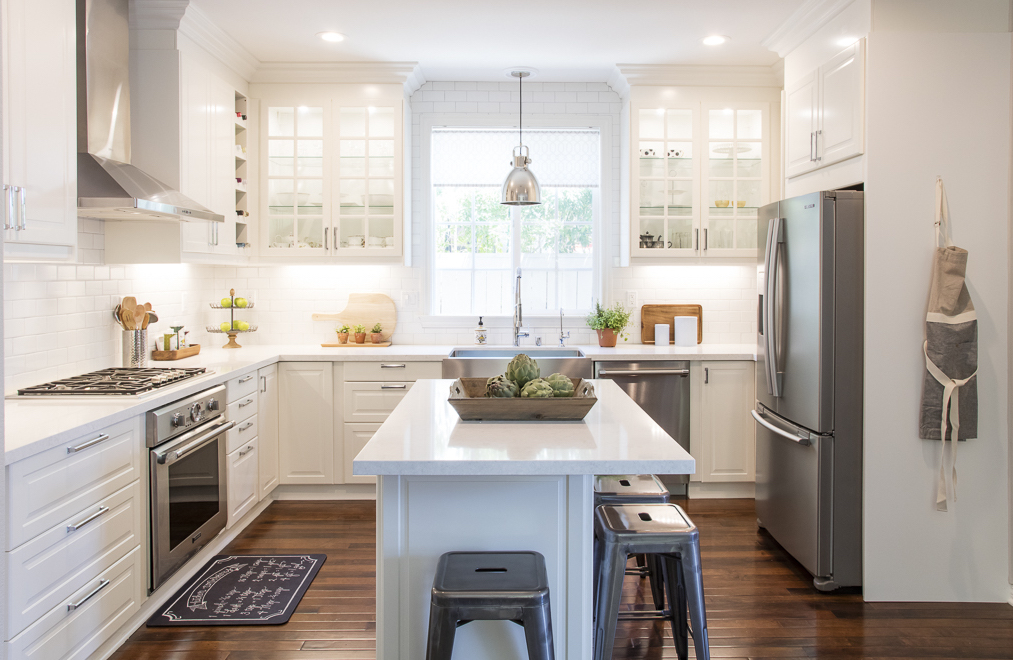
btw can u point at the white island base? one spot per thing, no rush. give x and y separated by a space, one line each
446 485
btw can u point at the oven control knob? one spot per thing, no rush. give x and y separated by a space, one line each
212 404
178 420
197 412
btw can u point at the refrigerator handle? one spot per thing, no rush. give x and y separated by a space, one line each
781 432
775 238
764 325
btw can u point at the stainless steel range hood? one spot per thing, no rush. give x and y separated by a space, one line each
108 186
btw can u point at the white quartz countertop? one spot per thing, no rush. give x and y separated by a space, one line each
425 436
33 425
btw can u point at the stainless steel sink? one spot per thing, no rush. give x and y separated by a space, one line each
485 362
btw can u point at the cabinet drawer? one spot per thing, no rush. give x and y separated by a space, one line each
356 437
373 402
241 386
51 567
242 472
48 488
74 634
240 434
394 370
243 407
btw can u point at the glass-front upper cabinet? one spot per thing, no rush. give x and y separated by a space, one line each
699 172
297 198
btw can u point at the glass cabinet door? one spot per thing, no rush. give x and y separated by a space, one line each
735 180
296 197
665 186
366 180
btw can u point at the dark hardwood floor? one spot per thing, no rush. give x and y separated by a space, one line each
760 603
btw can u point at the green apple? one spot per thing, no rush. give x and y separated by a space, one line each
242 325
225 326
226 302
241 302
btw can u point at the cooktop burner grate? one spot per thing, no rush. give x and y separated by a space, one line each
116 381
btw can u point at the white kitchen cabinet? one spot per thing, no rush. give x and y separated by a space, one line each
356 437
306 422
243 480
372 402
39 84
722 436
824 118
332 173
268 438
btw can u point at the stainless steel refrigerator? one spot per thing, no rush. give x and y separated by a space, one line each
809 382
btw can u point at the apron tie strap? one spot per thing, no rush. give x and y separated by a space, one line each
951 404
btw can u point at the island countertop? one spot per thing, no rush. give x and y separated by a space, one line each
425 436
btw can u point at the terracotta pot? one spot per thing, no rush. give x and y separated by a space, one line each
360 337
376 337
342 337
607 337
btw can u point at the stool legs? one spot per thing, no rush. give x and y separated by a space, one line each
442 630
538 633
610 592
654 576
676 588
693 576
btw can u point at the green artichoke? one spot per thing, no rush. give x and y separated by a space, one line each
522 369
500 387
537 389
560 384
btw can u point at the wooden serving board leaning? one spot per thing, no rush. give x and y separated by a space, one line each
651 314
467 396
364 309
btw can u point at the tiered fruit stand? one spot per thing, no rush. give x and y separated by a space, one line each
233 332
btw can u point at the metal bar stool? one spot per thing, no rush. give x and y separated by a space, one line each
634 489
660 530
483 586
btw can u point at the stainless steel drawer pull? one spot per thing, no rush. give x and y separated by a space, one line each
644 372
247 379
393 387
78 525
245 403
245 426
244 452
85 445
102 585
392 366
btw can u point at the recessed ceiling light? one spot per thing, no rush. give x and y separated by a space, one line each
714 40
331 36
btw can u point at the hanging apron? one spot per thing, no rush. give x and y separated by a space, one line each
949 408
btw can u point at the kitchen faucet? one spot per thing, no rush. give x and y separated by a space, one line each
518 316
562 337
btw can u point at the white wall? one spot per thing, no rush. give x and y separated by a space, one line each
938 104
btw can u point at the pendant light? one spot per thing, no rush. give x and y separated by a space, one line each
521 186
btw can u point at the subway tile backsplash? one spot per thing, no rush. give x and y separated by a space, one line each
57 318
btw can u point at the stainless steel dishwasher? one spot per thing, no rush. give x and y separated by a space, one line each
661 388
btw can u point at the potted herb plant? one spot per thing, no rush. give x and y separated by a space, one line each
360 334
343 334
609 322
376 334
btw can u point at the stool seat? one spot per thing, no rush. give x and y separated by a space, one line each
623 488
639 519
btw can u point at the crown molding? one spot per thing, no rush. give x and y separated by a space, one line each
414 80
402 73
196 26
696 75
618 82
156 14
802 24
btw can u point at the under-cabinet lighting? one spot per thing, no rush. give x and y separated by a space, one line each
333 37
844 42
714 40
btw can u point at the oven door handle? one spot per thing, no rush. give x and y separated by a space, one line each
200 438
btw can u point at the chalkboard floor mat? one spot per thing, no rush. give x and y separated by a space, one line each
241 590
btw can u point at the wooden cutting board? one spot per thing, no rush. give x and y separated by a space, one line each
364 309
651 314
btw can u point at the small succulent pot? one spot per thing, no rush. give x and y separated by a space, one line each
376 337
360 338
342 337
607 337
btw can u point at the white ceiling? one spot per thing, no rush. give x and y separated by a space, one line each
476 40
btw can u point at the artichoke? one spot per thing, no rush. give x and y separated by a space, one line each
522 369
560 384
500 387
537 389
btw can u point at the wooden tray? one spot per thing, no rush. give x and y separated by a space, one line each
651 314
189 351
354 345
467 396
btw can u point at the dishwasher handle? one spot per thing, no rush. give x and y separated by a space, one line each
644 372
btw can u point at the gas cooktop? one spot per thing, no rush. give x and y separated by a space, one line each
113 382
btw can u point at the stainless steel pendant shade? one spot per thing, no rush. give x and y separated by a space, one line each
521 187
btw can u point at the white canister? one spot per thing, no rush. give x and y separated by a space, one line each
685 330
661 334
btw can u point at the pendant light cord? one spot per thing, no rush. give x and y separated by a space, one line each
520 79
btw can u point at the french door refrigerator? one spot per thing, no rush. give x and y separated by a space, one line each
809 382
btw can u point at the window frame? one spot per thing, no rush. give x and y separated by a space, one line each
601 221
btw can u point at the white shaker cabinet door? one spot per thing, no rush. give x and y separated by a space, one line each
195 134
243 481
268 439
306 429
801 124
722 436
842 105
356 437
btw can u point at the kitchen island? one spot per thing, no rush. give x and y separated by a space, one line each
444 484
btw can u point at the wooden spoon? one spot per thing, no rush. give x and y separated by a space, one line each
147 317
139 315
147 307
